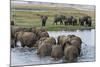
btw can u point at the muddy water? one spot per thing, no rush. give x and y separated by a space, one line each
26 56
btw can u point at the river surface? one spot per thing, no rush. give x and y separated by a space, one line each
26 56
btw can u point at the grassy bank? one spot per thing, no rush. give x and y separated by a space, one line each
32 18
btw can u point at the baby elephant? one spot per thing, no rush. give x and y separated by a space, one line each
57 52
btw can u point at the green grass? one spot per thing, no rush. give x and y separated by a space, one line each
30 19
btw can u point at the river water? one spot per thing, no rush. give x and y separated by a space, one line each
26 56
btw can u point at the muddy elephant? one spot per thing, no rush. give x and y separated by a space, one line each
42 34
62 39
14 30
59 18
85 20
50 40
44 49
40 41
57 52
70 53
44 19
76 41
26 38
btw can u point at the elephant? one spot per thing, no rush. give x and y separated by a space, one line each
85 20
50 40
14 30
12 42
72 39
26 38
27 30
66 21
44 19
76 41
40 41
74 21
62 39
12 23
44 49
58 19
34 30
42 34
70 21
70 53
56 52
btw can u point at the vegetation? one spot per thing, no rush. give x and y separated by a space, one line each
30 18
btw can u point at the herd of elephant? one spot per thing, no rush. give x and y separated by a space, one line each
71 20
68 47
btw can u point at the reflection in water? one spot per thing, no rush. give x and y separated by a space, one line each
26 56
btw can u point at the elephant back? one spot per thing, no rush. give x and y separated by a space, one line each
71 53
57 52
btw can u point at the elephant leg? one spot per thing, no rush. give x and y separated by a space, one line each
15 43
22 44
82 23
29 46
73 23
42 23
56 23
89 24
65 23
61 22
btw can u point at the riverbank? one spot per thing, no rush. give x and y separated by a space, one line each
59 27
29 16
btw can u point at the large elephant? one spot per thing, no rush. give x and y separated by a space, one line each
44 19
70 53
44 49
59 18
76 41
15 29
26 38
57 52
85 20
62 40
